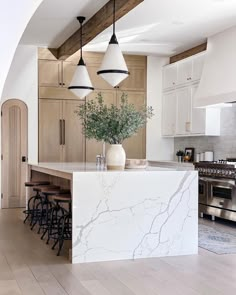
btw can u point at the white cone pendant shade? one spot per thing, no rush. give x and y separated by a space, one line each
81 84
113 68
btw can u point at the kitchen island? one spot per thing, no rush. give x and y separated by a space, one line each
128 214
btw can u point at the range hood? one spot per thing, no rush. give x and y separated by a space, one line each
218 81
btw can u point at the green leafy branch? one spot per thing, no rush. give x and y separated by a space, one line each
112 124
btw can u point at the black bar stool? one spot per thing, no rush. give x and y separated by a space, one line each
39 202
46 208
62 229
28 212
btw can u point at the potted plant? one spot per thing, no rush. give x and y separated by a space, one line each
180 154
112 124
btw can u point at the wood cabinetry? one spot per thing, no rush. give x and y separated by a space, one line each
55 73
60 132
54 78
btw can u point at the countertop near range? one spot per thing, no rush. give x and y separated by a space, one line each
172 165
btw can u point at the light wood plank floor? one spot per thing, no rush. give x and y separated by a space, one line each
28 266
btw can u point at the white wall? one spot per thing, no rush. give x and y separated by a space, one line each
22 83
14 17
157 148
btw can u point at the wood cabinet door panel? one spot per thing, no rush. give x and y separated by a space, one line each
136 81
50 73
68 73
73 139
97 81
50 116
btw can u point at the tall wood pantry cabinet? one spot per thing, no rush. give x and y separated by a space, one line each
60 130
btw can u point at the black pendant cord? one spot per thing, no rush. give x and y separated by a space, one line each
81 42
81 19
114 16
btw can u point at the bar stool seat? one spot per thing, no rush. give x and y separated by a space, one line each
29 212
36 182
43 188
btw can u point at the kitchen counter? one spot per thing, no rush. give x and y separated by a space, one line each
172 164
129 214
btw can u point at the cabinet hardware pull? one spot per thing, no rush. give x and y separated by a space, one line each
187 126
60 131
64 131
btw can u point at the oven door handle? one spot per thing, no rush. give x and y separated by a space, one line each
222 183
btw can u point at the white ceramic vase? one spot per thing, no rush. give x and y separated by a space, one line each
115 157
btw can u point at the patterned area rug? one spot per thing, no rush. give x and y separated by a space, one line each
216 241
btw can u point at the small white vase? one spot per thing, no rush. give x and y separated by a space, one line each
115 157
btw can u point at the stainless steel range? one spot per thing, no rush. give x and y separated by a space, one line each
217 188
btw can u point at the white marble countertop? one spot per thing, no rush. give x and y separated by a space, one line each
169 164
91 167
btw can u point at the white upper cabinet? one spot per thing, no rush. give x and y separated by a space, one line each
198 63
169 113
170 76
183 72
184 108
198 116
179 117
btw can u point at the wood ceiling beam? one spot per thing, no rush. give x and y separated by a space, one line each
94 26
188 53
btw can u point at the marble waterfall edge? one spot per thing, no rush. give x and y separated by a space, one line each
130 215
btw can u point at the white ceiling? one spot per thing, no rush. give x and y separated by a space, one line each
159 27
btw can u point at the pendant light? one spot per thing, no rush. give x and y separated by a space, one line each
113 68
81 84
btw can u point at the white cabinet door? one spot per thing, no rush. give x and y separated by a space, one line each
198 63
185 71
169 76
198 116
168 113
184 107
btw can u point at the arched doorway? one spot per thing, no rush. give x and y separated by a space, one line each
14 142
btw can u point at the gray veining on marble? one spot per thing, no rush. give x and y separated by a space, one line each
134 215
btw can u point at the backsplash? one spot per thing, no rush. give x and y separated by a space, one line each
223 146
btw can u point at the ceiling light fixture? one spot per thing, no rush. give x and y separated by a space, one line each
113 68
81 84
